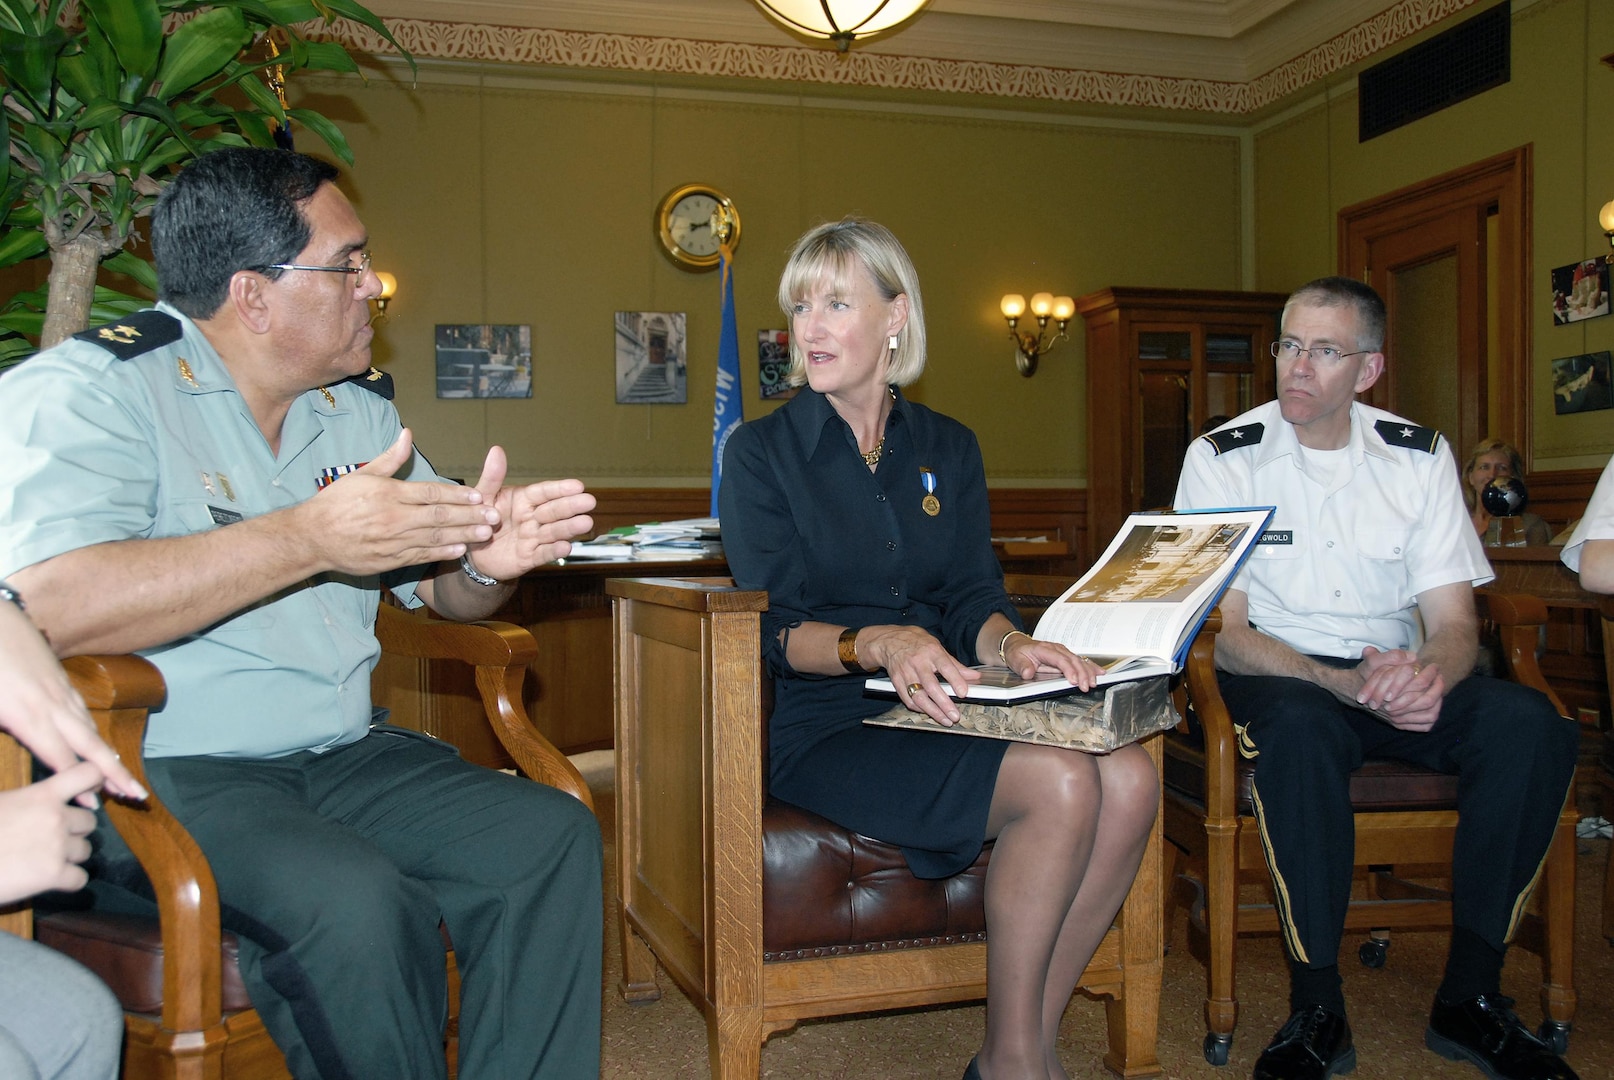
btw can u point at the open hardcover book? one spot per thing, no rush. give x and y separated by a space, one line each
1135 613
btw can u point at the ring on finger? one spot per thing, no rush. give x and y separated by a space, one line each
914 688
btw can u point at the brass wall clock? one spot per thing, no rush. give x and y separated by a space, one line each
692 220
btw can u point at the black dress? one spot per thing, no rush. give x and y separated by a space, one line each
805 519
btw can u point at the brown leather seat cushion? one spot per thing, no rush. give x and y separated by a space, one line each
828 891
1377 785
126 951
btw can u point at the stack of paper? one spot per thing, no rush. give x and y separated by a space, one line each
655 541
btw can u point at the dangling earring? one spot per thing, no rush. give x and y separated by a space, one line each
892 344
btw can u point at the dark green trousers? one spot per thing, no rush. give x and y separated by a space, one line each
335 869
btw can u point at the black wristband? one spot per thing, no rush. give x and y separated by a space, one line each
12 595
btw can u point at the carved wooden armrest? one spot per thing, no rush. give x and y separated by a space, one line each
501 654
1221 746
119 691
1519 618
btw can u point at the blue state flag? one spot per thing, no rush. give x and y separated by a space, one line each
727 411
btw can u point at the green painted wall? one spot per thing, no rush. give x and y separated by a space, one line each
1560 99
501 195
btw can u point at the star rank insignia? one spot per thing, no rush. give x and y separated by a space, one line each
1232 438
140 333
1411 436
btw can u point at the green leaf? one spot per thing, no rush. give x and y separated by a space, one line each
159 110
135 30
201 49
261 96
133 266
31 323
29 62
19 244
329 56
326 130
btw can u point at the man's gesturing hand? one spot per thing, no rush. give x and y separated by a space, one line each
537 522
368 522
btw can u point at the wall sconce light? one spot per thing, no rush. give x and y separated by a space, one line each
389 289
840 21
1028 346
1605 218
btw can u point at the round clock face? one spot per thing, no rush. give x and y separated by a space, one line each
692 221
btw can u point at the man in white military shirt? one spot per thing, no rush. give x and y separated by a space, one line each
1351 633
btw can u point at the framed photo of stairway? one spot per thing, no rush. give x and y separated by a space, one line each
651 358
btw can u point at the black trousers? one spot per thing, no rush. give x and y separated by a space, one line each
1513 754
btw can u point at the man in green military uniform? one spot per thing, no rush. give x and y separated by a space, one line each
222 484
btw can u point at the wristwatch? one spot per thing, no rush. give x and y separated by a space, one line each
474 574
846 649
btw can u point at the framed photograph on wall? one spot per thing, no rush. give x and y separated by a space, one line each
650 360
1581 383
1579 291
484 361
773 364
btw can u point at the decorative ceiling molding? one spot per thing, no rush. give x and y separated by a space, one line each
432 39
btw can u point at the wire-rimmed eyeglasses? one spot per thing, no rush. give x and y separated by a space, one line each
1320 354
361 269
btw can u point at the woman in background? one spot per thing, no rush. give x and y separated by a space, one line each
1490 459
864 516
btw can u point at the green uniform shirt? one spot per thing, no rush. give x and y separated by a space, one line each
109 438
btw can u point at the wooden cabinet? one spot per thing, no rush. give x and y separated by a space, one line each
1160 362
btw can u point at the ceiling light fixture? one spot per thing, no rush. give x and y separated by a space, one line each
841 21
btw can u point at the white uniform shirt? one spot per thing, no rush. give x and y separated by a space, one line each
1598 524
1357 534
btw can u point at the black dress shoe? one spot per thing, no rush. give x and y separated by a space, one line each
1484 1031
1313 1044
972 1071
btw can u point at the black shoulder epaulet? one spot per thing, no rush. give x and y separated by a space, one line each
1234 437
1413 437
139 333
375 380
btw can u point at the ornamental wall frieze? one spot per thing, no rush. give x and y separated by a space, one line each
429 39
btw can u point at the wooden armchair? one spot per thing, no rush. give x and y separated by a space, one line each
1406 818
186 1010
765 914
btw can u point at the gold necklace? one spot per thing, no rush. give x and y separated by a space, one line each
872 457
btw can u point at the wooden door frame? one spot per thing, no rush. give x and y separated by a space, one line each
1503 181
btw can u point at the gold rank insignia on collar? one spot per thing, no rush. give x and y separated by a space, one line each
329 398
121 334
186 373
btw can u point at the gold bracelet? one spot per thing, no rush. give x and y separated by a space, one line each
1005 641
846 650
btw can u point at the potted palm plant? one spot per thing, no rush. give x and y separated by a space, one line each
101 101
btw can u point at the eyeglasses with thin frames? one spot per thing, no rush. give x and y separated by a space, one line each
1320 354
361 269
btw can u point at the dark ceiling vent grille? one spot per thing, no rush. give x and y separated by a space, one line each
1468 59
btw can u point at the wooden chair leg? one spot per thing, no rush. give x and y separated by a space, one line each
1221 926
734 1040
638 967
1558 912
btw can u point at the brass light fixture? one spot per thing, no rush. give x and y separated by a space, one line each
389 289
1605 218
840 21
1028 346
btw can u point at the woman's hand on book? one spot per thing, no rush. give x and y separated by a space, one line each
1027 656
917 664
